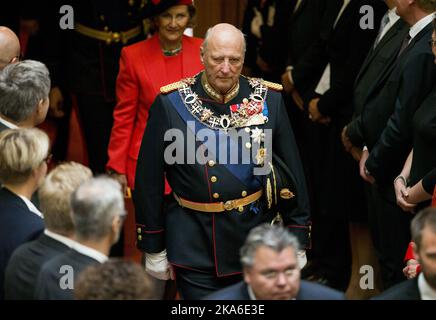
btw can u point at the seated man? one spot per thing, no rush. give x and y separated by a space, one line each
422 287
115 279
54 195
98 213
271 270
24 94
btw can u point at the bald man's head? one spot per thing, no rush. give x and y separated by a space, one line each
9 47
222 54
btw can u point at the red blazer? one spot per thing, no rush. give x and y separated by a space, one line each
142 74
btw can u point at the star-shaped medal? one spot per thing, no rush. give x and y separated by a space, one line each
257 135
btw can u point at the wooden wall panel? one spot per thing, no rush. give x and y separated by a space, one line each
211 12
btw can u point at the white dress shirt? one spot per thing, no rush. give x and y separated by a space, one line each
31 206
427 292
62 239
393 18
92 253
8 124
421 24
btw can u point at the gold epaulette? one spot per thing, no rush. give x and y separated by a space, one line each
272 85
171 87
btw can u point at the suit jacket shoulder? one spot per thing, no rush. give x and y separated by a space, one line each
48 285
26 262
406 290
237 291
315 291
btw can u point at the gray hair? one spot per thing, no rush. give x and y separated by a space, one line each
22 86
426 217
210 31
95 204
55 195
274 237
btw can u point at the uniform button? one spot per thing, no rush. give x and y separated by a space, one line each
244 193
214 179
106 28
216 195
247 129
211 163
248 145
139 237
241 209
102 17
139 230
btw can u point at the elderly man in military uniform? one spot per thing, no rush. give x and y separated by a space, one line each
194 127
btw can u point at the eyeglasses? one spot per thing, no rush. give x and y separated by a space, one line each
432 43
16 59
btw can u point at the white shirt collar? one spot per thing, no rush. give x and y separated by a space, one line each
92 253
8 124
427 292
66 241
393 16
421 24
251 293
31 206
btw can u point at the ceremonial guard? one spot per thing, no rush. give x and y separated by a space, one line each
101 30
225 145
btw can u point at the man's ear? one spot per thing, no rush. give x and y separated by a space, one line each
246 273
415 251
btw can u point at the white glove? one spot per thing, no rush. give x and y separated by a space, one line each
302 258
156 265
256 23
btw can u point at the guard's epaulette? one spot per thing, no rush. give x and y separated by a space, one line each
171 87
272 85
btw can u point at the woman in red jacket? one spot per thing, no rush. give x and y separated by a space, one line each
145 67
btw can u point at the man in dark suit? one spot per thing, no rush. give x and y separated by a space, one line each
26 262
271 270
422 287
379 61
400 90
98 212
326 74
304 27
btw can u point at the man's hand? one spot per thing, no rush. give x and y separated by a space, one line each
156 265
121 178
356 153
297 99
362 169
315 115
263 65
56 103
401 194
288 86
345 140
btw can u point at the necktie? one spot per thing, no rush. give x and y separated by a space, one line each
404 44
384 23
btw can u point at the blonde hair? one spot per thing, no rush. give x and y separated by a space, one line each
55 195
21 152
